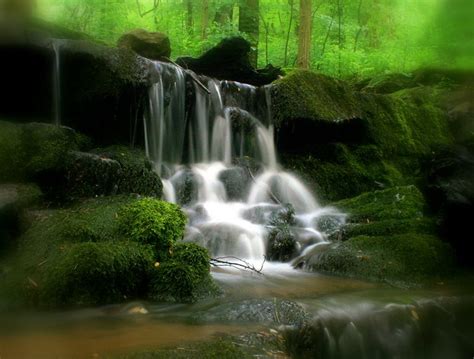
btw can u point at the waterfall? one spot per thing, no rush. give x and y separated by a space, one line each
200 148
56 45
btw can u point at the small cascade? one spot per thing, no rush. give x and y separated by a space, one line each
56 44
218 160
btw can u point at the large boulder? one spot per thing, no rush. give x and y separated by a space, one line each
388 237
327 130
229 60
101 89
152 45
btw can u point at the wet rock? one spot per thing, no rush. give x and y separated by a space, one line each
281 238
186 187
152 45
274 312
229 60
236 181
261 213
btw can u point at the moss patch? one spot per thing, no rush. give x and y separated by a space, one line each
388 238
151 221
305 94
184 276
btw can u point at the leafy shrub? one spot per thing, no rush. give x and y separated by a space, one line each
151 221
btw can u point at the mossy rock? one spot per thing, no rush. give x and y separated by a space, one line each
387 238
103 172
309 95
405 259
154 222
27 150
362 168
397 203
184 276
84 274
104 250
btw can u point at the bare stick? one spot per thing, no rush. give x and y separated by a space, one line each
192 74
240 263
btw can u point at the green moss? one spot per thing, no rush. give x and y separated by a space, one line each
340 171
28 149
151 221
137 175
388 227
396 203
184 276
408 258
94 273
11 168
308 95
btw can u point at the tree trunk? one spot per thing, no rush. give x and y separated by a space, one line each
285 61
205 19
189 16
304 35
249 24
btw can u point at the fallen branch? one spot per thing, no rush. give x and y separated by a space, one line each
239 264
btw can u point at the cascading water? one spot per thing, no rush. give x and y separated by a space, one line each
205 160
56 44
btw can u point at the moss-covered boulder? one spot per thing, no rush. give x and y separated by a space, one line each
387 238
154 222
83 274
328 130
184 276
102 172
27 150
152 45
105 250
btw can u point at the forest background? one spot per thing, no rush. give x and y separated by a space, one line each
343 38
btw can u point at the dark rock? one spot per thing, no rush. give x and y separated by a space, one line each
229 60
109 171
186 187
450 190
236 181
152 45
281 239
102 89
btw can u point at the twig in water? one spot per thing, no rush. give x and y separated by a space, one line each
240 264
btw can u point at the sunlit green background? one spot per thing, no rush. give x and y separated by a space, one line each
369 36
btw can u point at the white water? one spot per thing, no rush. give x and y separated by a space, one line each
229 207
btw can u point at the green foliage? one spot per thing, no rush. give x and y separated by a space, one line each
349 38
184 276
95 273
151 221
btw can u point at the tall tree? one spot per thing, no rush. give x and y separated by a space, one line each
205 19
304 34
249 24
189 16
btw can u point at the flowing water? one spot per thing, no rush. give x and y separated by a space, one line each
216 154
56 45
203 149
